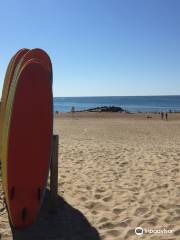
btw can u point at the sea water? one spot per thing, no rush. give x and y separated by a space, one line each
129 103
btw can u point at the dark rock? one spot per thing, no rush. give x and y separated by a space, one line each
105 109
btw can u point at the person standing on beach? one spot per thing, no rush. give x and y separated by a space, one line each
162 115
72 111
166 116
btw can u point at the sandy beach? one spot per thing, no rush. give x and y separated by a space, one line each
116 172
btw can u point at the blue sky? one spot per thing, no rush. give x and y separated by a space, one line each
98 47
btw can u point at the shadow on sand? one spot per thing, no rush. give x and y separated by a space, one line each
67 223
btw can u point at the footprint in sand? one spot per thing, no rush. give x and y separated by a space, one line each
123 164
124 223
97 206
118 211
103 219
176 170
141 211
97 196
106 225
151 221
100 190
83 199
114 233
94 212
107 199
161 208
168 219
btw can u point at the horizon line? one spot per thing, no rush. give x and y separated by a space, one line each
161 95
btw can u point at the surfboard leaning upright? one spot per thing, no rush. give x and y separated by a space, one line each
27 140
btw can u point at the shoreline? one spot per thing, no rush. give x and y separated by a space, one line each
118 115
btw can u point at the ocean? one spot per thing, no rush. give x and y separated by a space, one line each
129 103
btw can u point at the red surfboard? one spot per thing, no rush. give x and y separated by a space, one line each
27 141
39 55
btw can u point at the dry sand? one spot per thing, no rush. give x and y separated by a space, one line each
119 171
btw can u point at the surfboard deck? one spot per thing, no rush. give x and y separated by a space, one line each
27 141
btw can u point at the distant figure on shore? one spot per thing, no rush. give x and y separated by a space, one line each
72 111
166 116
162 115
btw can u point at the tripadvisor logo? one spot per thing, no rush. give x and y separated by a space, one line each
139 231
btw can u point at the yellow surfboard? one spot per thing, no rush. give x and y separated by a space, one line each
6 86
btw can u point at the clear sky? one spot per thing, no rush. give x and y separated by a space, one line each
98 47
